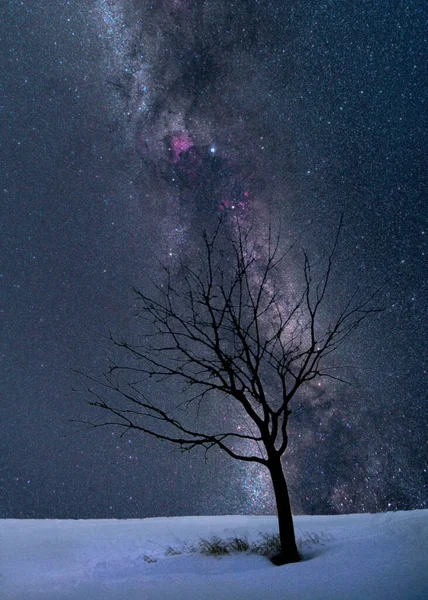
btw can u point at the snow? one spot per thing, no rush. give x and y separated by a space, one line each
353 557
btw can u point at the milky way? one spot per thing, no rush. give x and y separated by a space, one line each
213 129
196 96
130 127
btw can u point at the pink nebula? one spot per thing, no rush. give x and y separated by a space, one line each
180 142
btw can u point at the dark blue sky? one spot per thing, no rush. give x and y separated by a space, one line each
302 110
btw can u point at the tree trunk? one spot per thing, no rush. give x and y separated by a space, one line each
289 552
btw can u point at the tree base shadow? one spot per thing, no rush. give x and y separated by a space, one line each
281 559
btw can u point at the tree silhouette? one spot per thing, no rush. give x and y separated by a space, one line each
227 327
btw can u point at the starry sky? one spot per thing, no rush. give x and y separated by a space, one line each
126 127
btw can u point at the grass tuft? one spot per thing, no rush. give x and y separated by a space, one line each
267 545
170 551
214 547
149 559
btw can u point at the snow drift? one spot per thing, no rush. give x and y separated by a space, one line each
352 557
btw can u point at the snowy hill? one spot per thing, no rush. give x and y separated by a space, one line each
352 557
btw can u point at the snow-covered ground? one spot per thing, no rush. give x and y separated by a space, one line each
347 557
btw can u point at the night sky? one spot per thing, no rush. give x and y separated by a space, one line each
126 127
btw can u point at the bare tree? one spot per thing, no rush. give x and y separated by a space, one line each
228 328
